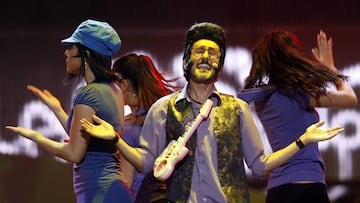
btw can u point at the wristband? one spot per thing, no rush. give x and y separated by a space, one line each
115 139
299 143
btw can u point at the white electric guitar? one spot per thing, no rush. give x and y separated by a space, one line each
176 150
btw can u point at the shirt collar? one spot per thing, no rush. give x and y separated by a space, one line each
215 96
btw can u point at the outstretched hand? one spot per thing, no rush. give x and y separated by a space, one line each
324 52
27 133
51 101
315 134
102 130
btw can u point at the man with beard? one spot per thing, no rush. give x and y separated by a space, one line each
212 169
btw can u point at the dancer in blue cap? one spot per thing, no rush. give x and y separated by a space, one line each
96 163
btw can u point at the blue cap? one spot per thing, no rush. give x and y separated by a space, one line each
96 35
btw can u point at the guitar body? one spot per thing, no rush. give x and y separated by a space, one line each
164 165
175 151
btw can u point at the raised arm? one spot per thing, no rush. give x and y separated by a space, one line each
344 95
323 51
52 102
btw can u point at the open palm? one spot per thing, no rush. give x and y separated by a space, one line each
103 130
315 134
27 133
50 100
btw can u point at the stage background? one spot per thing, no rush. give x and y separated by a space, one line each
31 53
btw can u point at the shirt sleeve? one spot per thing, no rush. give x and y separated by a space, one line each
88 95
251 142
153 134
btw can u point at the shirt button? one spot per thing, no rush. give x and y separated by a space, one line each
204 199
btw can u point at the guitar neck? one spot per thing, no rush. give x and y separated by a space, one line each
192 126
